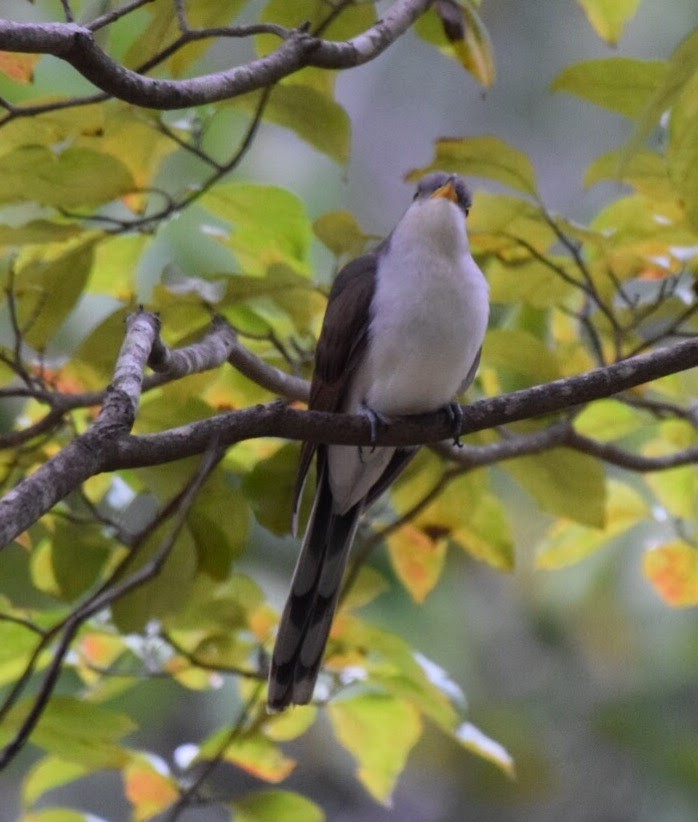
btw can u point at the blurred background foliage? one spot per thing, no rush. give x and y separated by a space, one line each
580 662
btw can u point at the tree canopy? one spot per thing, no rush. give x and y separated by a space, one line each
158 319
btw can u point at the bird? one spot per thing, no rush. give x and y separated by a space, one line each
402 334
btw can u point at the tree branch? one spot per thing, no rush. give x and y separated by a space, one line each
108 446
77 45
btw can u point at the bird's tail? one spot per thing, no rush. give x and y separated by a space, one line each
307 617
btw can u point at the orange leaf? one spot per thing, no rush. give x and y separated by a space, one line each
148 790
673 571
18 67
101 649
261 757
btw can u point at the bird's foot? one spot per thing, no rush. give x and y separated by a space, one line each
455 416
375 420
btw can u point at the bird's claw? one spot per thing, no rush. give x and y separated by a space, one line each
375 421
455 416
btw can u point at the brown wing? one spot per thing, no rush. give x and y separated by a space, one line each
340 348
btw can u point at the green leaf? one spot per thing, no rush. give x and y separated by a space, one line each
17 643
487 534
368 585
92 365
682 153
269 489
49 282
379 731
522 353
75 730
528 281
487 156
78 554
49 773
312 114
569 542
646 171
609 17
56 815
270 225
77 177
564 483
163 30
677 488
280 288
167 591
218 606
37 232
52 128
608 420
679 73
341 233
116 266
267 806
354 19
496 218
219 539
622 84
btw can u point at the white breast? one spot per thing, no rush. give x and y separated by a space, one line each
428 320
429 313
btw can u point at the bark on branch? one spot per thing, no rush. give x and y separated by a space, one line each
77 45
108 445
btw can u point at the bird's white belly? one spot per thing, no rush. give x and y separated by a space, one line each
431 327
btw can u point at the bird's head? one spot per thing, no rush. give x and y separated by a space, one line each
437 215
440 185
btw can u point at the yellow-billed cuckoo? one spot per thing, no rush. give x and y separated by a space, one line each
402 335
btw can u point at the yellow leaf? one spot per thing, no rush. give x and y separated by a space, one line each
262 806
484 156
569 542
257 755
609 17
379 731
673 571
417 559
290 724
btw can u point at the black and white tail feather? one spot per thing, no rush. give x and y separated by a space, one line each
310 607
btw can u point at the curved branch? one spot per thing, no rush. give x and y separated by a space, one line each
77 45
561 434
109 447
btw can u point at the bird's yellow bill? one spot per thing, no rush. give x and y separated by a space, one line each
448 191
